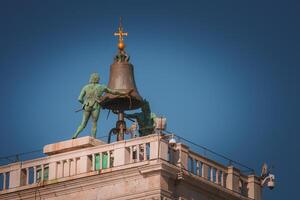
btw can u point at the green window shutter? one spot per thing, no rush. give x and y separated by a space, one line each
97 162
104 160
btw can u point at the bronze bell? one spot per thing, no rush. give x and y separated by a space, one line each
122 79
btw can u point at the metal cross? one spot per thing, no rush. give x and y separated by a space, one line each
120 32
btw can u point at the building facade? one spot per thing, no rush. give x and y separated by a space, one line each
141 168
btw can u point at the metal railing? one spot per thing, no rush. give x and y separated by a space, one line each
210 154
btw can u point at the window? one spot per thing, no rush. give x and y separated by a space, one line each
190 164
148 151
1 181
38 174
46 172
31 175
7 174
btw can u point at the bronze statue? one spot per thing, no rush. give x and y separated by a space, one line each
90 98
145 119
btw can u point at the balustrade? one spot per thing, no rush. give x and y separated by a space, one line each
129 152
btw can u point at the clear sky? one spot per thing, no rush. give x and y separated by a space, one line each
224 73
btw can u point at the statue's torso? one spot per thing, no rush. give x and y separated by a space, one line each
92 94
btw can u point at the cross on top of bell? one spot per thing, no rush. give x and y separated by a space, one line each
120 33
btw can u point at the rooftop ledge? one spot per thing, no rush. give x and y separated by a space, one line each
84 156
71 145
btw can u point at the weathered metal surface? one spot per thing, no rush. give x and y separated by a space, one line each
122 79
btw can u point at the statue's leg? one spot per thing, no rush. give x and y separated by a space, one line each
95 117
85 119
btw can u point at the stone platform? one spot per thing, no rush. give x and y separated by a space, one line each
71 145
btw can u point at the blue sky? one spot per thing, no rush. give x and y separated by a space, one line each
224 73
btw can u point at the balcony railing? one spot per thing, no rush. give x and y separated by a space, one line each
125 154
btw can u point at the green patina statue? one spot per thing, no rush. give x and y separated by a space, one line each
145 119
89 97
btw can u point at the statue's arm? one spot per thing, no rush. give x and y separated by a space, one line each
81 96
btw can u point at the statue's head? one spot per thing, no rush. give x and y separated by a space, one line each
146 106
94 78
